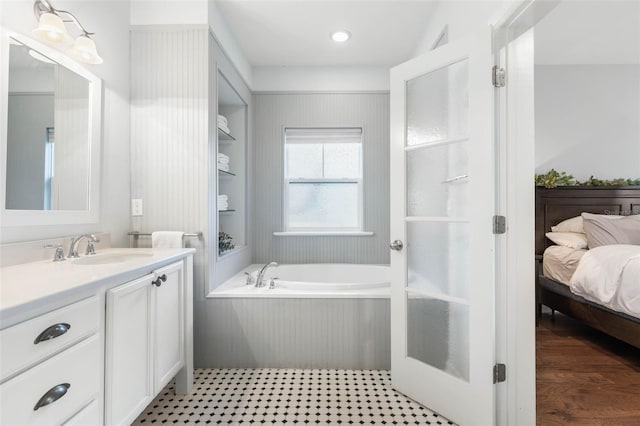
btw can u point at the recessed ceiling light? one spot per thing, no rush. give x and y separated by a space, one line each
340 36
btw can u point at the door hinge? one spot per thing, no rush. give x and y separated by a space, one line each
499 224
499 373
498 77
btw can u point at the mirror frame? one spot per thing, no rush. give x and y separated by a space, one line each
11 218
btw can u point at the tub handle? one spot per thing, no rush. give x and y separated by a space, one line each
249 278
272 283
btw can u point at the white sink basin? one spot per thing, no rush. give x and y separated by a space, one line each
102 259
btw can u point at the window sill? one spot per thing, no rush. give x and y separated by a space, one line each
323 234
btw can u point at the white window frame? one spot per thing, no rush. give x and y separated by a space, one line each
287 181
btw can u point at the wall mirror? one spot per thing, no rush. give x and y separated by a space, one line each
51 110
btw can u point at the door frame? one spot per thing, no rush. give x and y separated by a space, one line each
515 268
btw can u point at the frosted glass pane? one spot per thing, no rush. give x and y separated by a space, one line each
438 258
323 205
428 169
438 334
437 105
304 160
342 160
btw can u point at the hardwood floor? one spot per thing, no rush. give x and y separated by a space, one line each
585 377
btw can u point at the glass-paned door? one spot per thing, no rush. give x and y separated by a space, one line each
442 157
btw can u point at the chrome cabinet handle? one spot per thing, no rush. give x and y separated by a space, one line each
396 245
52 332
52 395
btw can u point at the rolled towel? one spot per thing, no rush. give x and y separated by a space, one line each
166 239
223 167
222 119
221 155
224 129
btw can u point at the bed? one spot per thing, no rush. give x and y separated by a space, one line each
552 207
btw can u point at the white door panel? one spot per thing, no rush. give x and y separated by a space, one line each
442 157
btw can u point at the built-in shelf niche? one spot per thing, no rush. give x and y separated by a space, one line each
233 183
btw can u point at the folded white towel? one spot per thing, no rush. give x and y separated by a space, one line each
223 161
224 206
221 155
224 128
223 167
166 239
222 119
223 197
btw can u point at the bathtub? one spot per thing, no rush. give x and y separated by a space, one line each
312 281
334 316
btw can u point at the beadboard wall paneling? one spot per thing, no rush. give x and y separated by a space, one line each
169 135
273 112
297 333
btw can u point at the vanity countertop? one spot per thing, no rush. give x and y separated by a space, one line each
29 287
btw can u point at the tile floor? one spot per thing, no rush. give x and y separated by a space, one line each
288 396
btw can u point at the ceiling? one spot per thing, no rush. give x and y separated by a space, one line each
589 32
297 33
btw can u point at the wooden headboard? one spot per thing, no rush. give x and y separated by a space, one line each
557 204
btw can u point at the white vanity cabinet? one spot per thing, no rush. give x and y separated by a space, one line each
145 341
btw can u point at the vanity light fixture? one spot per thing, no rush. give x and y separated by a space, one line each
52 28
340 36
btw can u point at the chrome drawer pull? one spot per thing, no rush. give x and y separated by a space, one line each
52 395
52 332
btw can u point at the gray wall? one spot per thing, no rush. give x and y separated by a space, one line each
169 135
587 120
29 117
272 112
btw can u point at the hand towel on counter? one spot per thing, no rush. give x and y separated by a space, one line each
166 239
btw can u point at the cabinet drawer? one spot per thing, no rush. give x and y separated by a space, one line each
89 416
58 329
77 369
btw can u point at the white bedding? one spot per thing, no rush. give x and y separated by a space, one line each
610 275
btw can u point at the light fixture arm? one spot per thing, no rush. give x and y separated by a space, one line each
43 6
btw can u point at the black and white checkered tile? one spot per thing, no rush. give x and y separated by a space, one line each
288 396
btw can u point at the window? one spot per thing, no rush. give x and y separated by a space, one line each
323 179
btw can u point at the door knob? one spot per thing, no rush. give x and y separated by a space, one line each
396 245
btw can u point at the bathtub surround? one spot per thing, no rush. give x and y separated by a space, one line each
296 333
274 112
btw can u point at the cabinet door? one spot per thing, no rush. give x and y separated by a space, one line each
168 324
129 347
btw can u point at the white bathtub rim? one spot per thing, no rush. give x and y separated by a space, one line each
235 287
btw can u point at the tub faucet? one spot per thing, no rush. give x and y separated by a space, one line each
260 280
73 249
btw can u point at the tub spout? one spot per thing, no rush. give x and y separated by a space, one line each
260 280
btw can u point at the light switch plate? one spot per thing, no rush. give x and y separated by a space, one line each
136 207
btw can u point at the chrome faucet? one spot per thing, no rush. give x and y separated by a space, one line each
73 249
260 280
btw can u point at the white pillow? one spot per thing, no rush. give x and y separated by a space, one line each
574 224
573 240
